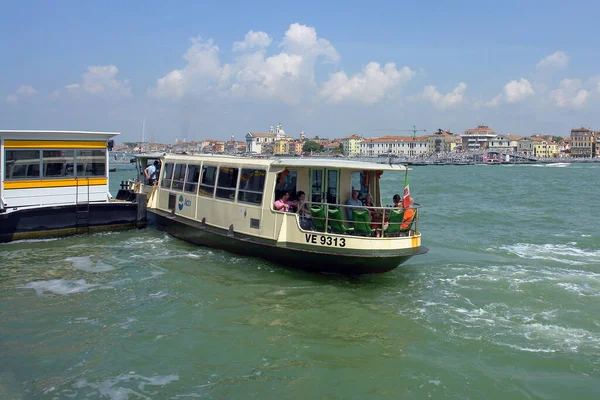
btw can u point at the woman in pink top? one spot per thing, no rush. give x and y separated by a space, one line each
283 204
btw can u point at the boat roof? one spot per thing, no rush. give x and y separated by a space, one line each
149 155
292 162
64 135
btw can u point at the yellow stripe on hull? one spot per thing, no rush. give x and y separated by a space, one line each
53 144
47 183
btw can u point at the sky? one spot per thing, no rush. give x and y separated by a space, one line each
200 70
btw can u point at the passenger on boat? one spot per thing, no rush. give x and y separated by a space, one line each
353 202
304 211
397 200
376 216
151 173
284 203
409 215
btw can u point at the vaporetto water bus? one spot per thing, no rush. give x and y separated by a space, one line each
228 202
56 183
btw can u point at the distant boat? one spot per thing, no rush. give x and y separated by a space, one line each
558 164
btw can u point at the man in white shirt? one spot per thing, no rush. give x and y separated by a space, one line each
151 173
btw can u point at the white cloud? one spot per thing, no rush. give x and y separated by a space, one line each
203 70
595 81
368 86
22 91
516 91
443 101
302 39
26 90
101 80
513 92
556 60
253 40
288 76
569 94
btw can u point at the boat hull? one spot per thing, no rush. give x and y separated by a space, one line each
366 262
63 220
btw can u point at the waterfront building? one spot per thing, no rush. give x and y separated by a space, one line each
525 146
564 147
443 142
351 145
296 146
505 143
544 148
281 147
583 142
394 145
477 138
260 142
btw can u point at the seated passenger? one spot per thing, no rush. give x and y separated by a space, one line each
284 203
397 201
353 201
304 211
409 215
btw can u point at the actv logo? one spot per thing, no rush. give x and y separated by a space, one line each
183 202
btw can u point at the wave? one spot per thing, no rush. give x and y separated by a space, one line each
85 263
562 253
117 387
62 286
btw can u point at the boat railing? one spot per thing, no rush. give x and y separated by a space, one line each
347 219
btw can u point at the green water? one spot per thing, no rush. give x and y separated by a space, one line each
504 306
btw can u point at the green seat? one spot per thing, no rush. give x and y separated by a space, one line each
336 222
362 221
318 217
394 223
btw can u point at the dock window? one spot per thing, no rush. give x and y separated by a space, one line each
227 183
22 164
252 184
178 177
191 180
207 185
91 162
167 176
58 163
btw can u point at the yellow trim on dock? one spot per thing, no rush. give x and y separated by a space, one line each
47 183
53 144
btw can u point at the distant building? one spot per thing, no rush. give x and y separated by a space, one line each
477 138
394 145
544 148
351 145
525 146
443 142
583 142
505 143
257 142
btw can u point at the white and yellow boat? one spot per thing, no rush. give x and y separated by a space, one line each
228 203
56 183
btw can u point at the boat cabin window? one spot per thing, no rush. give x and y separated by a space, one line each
178 177
22 164
360 182
227 183
207 184
286 182
91 162
167 176
191 180
252 185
